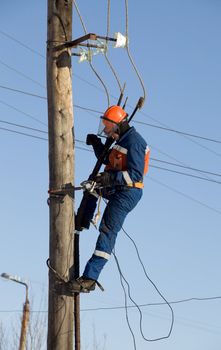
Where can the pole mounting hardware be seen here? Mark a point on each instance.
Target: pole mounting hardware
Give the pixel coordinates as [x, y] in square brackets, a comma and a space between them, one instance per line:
[100, 45]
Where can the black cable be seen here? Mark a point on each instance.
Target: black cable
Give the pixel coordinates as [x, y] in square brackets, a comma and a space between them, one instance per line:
[134, 121]
[125, 300]
[22, 92]
[178, 132]
[187, 300]
[93, 85]
[185, 167]
[184, 195]
[88, 150]
[24, 134]
[140, 312]
[21, 74]
[155, 159]
[186, 174]
[153, 284]
[22, 44]
[122, 277]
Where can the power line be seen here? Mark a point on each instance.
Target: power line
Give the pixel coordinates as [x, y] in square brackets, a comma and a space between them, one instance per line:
[88, 150]
[21, 74]
[153, 159]
[179, 132]
[22, 92]
[181, 173]
[95, 86]
[184, 195]
[23, 126]
[24, 134]
[20, 111]
[21, 44]
[135, 121]
[186, 167]
[180, 301]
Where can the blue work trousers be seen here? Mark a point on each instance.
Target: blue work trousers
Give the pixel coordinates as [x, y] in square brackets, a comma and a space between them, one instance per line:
[120, 203]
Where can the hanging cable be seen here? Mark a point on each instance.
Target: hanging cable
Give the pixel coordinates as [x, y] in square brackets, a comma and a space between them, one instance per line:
[153, 284]
[89, 50]
[129, 54]
[122, 277]
[105, 52]
[138, 307]
[125, 300]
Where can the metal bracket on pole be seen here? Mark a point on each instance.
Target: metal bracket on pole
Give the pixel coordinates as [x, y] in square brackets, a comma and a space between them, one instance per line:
[119, 40]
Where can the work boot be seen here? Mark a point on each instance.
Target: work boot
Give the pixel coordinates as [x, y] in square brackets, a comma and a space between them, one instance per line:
[80, 285]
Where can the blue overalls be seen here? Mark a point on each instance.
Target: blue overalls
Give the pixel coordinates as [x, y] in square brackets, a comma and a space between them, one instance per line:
[122, 198]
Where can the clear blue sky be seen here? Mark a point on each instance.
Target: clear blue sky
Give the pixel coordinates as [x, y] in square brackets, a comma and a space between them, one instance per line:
[176, 46]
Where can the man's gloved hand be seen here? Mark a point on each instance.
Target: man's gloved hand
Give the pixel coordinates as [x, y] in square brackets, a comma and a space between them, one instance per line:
[92, 140]
[105, 179]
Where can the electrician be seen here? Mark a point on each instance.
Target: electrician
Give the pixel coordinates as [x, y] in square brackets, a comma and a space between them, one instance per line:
[121, 183]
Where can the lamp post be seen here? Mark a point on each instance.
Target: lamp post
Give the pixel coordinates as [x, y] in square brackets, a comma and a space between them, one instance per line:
[26, 309]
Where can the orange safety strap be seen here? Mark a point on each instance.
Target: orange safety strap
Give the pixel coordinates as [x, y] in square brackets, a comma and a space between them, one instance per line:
[136, 184]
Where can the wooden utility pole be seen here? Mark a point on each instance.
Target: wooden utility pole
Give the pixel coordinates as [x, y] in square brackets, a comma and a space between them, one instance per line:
[61, 171]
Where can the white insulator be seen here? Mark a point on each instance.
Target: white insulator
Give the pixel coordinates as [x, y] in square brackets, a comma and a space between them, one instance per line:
[121, 40]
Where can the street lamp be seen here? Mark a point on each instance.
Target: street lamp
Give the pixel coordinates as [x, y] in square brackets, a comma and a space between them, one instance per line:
[26, 309]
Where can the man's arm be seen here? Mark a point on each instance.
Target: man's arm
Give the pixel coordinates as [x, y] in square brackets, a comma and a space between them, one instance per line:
[98, 147]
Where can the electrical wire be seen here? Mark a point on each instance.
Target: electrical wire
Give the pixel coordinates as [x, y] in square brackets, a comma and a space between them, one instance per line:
[93, 85]
[122, 278]
[125, 300]
[105, 52]
[185, 174]
[21, 74]
[153, 284]
[185, 167]
[88, 150]
[24, 134]
[21, 43]
[178, 132]
[23, 126]
[134, 121]
[151, 165]
[20, 111]
[138, 308]
[22, 92]
[122, 307]
[129, 54]
[90, 63]
[184, 195]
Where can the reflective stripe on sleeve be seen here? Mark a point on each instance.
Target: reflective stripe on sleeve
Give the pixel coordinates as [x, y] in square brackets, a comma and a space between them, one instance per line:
[127, 177]
[120, 149]
[102, 254]
[147, 149]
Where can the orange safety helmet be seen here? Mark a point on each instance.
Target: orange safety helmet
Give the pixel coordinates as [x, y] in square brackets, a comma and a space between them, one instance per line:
[115, 114]
[112, 117]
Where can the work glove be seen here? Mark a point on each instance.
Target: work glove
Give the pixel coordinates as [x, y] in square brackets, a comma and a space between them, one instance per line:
[105, 179]
[93, 140]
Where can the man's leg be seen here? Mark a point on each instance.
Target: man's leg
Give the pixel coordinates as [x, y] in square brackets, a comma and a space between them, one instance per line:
[115, 213]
